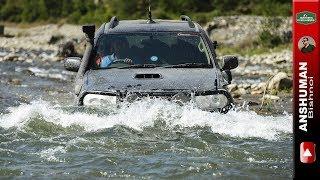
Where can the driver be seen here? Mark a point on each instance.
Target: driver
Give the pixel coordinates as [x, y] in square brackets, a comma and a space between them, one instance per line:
[114, 55]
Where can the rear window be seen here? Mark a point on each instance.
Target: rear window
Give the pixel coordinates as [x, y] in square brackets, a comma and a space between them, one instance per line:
[161, 49]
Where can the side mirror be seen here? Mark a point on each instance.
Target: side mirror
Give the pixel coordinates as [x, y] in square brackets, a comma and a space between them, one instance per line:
[230, 62]
[72, 63]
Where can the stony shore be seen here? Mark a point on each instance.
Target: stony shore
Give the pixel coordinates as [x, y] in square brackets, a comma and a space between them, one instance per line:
[241, 30]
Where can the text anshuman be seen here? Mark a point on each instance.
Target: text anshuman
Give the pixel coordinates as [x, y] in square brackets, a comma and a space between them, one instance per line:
[305, 96]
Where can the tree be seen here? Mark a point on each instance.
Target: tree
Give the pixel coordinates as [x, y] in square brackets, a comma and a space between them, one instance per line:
[34, 10]
[11, 11]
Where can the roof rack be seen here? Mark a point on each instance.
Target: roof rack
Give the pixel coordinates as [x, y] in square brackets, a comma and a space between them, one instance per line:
[113, 22]
[186, 18]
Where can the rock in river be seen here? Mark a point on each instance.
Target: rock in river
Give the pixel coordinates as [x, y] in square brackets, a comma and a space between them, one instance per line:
[11, 57]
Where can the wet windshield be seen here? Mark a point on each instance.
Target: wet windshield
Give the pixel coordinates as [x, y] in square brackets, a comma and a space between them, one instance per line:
[146, 50]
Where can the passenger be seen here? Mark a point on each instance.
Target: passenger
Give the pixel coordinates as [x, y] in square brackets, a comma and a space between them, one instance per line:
[114, 53]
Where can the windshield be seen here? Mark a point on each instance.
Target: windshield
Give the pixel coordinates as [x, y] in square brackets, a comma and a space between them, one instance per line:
[151, 50]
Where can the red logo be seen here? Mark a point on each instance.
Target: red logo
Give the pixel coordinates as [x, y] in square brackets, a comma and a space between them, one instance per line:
[307, 152]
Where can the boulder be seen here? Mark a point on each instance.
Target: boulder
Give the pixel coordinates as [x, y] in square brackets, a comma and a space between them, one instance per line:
[11, 57]
[238, 93]
[218, 23]
[258, 87]
[256, 92]
[242, 91]
[15, 81]
[280, 81]
[253, 103]
[232, 87]
[271, 97]
[245, 86]
[67, 49]
[285, 83]
[211, 26]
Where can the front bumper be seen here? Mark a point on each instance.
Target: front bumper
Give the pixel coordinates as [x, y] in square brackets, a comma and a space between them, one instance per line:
[165, 94]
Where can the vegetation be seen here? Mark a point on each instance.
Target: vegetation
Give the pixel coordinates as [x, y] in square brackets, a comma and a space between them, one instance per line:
[268, 41]
[98, 11]
[250, 49]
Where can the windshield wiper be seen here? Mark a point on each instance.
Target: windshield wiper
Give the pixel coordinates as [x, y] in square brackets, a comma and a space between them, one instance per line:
[139, 66]
[189, 65]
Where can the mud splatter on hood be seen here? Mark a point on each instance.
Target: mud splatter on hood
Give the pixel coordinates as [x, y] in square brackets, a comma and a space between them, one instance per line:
[170, 79]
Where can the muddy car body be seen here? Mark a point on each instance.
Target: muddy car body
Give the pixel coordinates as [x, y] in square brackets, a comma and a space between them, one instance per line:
[177, 61]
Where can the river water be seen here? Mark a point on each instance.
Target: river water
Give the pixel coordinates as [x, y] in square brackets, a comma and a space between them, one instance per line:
[43, 135]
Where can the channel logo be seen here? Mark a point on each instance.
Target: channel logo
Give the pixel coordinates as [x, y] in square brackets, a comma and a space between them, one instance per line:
[306, 17]
[307, 152]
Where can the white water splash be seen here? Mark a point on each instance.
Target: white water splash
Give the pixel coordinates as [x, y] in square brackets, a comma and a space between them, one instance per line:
[51, 153]
[145, 113]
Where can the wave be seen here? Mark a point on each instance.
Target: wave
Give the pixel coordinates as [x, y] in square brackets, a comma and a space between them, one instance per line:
[146, 113]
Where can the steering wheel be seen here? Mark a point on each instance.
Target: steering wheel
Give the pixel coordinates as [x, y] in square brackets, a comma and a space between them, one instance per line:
[118, 61]
[122, 62]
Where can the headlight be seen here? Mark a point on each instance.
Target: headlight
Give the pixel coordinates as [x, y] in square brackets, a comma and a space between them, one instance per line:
[99, 100]
[211, 102]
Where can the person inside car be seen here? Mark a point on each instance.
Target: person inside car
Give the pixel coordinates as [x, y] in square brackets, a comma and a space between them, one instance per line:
[113, 54]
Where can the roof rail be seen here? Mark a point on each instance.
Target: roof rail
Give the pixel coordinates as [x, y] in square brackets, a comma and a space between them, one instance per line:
[186, 18]
[113, 22]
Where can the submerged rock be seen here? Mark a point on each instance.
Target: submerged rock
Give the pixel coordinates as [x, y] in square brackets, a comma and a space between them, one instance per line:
[15, 81]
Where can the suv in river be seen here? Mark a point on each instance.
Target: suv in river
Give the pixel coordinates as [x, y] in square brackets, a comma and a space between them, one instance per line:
[173, 59]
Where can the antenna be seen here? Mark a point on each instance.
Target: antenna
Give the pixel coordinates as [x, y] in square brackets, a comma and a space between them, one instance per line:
[150, 14]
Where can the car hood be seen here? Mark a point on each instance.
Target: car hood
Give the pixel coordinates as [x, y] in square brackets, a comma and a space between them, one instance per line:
[194, 79]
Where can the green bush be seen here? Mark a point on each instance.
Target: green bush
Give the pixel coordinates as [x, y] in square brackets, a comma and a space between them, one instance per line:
[79, 11]
[267, 39]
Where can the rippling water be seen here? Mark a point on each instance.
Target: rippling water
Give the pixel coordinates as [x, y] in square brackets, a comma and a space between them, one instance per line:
[152, 138]
[149, 138]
